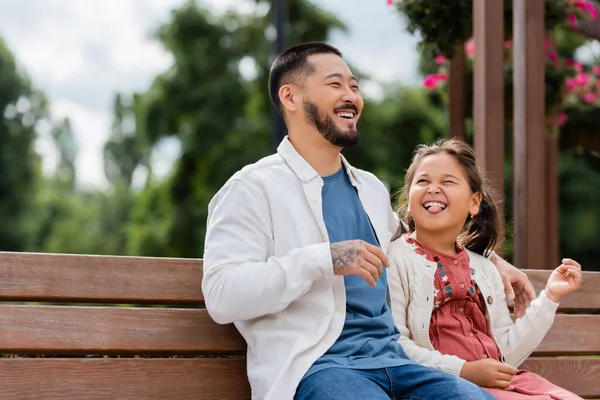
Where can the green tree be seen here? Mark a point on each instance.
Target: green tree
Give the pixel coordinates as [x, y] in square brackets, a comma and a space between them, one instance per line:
[220, 116]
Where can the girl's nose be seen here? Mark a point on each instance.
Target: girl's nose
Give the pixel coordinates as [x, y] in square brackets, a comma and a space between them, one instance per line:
[433, 190]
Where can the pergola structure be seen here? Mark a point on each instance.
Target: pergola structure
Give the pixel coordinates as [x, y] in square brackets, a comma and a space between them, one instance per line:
[535, 155]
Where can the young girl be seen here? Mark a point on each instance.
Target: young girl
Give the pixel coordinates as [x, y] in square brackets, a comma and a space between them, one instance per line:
[447, 298]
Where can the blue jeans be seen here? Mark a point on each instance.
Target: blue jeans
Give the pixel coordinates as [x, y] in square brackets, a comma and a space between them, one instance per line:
[409, 381]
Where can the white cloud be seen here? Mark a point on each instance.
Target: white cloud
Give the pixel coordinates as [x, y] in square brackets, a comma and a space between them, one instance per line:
[81, 53]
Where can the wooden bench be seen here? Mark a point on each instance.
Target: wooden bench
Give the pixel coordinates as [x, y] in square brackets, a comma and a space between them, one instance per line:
[99, 327]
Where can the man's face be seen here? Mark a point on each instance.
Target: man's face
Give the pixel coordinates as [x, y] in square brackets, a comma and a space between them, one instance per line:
[331, 100]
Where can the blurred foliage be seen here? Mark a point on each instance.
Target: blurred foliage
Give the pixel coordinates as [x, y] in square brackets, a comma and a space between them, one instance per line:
[22, 108]
[445, 25]
[212, 106]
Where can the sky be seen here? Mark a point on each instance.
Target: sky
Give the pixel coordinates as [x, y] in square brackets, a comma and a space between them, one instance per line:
[80, 53]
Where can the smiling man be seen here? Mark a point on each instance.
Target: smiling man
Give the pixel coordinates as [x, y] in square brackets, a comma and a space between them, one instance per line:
[295, 253]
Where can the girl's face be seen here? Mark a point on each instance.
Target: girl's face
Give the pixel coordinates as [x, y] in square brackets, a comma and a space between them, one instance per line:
[440, 197]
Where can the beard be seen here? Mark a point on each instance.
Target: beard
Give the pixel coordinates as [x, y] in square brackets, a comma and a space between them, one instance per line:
[328, 128]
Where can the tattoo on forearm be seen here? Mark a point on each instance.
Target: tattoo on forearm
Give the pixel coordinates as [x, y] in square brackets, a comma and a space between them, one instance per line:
[344, 255]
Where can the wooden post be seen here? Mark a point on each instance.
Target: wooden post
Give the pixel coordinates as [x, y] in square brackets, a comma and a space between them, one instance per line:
[530, 178]
[488, 97]
[552, 205]
[458, 95]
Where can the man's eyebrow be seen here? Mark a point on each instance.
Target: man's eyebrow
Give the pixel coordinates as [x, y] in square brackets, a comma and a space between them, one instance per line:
[340, 76]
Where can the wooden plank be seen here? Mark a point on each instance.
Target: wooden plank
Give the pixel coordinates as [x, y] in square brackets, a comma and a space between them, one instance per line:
[114, 330]
[579, 375]
[572, 335]
[488, 95]
[587, 298]
[529, 136]
[111, 378]
[458, 96]
[106, 279]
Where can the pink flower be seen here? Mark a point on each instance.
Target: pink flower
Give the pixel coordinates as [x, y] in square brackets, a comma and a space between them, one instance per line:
[596, 70]
[440, 60]
[508, 44]
[587, 7]
[470, 48]
[581, 79]
[572, 19]
[570, 63]
[548, 45]
[589, 97]
[390, 2]
[571, 84]
[578, 67]
[431, 81]
[561, 118]
[553, 56]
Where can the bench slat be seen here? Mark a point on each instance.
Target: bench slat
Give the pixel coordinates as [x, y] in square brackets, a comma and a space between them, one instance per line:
[106, 279]
[141, 280]
[114, 330]
[587, 298]
[48, 329]
[113, 378]
[579, 375]
[572, 334]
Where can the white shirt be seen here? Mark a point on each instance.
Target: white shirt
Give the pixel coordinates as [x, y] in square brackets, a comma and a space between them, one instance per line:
[268, 267]
[412, 291]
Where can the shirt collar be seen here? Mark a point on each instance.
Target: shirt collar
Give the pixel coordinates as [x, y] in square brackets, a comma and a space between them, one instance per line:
[303, 170]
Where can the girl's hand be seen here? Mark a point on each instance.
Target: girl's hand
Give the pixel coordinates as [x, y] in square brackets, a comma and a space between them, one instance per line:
[564, 280]
[488, 373]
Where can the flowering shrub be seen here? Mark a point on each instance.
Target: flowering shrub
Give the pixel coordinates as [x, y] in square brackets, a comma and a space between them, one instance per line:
[566, 80]
[568, 83]
[444, 25]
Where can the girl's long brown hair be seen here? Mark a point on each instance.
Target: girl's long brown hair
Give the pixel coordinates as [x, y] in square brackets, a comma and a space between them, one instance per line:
[480, 233]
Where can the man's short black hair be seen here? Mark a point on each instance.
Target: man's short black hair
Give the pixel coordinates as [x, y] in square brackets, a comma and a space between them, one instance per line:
[293, 64]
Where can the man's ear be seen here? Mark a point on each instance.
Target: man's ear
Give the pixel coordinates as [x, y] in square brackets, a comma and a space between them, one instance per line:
[288, 97]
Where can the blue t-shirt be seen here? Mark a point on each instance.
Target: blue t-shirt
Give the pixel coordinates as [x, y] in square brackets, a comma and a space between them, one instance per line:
[369, 337]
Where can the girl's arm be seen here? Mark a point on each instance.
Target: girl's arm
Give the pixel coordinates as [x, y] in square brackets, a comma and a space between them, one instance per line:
[518, 339]
[398, 281]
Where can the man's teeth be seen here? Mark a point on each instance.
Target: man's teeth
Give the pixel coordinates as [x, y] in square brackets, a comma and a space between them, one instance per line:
[345, 115]
[434, 204]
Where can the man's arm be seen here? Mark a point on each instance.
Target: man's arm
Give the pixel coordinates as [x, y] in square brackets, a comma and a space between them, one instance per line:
[242, 280]
[517, 286]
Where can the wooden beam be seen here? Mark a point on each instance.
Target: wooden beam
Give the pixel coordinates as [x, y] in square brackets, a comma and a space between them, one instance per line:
[552, 204]
[488, 97]
[530, 178]
[458, 95]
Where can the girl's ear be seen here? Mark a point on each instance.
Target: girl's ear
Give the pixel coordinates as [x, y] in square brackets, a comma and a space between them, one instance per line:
[475, 203]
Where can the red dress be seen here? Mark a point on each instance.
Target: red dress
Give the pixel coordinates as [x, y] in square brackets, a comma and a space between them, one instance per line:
[459, 327]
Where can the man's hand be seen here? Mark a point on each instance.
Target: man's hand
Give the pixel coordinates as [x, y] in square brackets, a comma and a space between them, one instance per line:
[488, 373]
[516, 285]
[564, 280]
[356, 257]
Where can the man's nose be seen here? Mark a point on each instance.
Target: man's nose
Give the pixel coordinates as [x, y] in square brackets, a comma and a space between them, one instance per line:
[350, 96]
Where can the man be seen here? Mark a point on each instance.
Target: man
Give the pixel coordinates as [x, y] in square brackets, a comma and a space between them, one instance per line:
[294, 253]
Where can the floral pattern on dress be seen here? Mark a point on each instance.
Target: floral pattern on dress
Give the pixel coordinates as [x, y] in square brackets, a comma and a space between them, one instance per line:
[448, 290]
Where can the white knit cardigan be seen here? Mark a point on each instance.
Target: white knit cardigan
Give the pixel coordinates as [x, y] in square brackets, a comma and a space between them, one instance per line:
[411, 283]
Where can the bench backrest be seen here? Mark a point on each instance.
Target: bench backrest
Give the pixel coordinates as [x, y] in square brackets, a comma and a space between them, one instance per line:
[100, 327]
[112, 327]
[569, 355]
